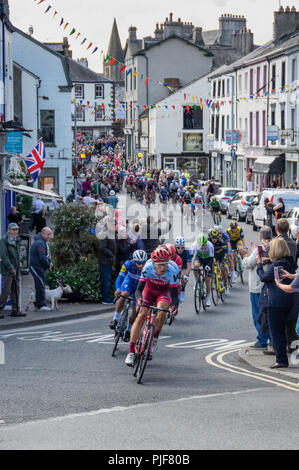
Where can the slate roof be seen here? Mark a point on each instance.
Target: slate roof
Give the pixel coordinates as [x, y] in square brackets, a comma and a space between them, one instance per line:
[80, 73]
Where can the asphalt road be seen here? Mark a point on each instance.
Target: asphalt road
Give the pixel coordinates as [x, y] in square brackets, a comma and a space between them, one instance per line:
[62, 389]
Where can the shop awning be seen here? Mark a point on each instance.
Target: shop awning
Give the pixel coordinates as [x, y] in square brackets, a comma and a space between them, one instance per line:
[33, 192]
[270, 164]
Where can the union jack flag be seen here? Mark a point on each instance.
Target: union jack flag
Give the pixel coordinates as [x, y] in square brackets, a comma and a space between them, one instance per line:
[35, 161]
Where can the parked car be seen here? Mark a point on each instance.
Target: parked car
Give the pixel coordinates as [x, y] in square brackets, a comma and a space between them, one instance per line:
[225, 195]
[239, 205]
[249, 213]
[293, 219]
[290, 198]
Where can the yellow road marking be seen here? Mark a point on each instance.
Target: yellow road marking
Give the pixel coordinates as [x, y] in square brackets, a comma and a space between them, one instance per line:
[241, 371]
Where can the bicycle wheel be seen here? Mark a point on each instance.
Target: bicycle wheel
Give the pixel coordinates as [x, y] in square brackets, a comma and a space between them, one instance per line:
[120, 329]
[197, 296]
[138, 354]
[203, 294]
[239, 269]
[214, 290]
[145, 353]
[221, 288]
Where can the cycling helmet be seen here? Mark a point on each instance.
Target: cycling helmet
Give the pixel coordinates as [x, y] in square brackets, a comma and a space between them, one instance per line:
[202, 240]
[214, 233]
[112, 193]
[140, 257]
[234, 224]
[171, 250]
[214, 199]
[160, 255]
[180, 241]
[219, 228]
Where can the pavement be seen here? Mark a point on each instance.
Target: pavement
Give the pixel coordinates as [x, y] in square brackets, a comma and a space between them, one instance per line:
[67, 310]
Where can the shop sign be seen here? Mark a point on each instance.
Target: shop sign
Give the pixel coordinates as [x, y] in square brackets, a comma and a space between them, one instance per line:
[192, 142]
[272, 133]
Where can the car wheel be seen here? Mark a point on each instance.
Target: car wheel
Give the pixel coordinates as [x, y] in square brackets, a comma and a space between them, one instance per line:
[247, 220]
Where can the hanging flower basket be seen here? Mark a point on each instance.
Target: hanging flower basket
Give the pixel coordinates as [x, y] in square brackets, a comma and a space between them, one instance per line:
[15, 181]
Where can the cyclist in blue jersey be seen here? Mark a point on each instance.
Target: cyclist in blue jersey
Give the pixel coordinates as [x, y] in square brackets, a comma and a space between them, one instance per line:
[163, 195]
[185, 254]
[126, 285]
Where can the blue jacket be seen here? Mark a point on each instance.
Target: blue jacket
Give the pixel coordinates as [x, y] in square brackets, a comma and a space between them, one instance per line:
[39, 251]
[271, 295]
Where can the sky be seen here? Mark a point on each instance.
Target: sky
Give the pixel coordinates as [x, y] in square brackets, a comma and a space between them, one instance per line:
[94, 19]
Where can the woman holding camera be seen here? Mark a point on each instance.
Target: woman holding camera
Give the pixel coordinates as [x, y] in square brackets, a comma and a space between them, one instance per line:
[279, 303]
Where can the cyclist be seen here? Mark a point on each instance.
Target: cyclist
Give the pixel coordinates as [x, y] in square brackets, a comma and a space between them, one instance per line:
[196, 204]
[125, 285]
[186, 201]
[220, 249]
[215, 208]
[163, 194]
[203, 256]
[236, 236]
[173, 189]
[158, 285]
[185, 255]
[173, 256]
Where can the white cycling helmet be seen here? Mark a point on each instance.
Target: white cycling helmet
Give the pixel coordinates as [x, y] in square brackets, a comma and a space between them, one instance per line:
[180, 241]
[112, 193]
[140, 257]
[219, 228]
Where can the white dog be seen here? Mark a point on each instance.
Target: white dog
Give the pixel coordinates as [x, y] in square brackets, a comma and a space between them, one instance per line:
[53, 295]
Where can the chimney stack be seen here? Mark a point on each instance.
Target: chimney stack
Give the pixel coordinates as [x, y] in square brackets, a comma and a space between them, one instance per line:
[286, 21]
[132, 33]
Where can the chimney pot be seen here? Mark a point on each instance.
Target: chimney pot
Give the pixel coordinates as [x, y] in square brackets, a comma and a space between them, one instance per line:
[170, 16]
[294, 9]
[287, 10]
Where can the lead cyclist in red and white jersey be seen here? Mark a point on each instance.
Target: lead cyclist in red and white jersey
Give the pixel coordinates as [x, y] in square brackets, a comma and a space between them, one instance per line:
[158, 285]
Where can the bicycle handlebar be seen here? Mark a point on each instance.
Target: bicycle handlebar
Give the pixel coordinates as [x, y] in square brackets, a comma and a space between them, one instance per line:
[123, 296]
[152, 307]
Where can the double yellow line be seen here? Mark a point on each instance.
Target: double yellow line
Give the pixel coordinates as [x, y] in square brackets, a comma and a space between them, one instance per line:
[221, 364]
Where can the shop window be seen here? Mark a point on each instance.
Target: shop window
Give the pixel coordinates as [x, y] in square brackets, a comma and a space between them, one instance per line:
[47, 124]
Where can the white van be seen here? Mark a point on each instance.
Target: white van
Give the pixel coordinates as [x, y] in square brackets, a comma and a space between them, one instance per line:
[290, 198]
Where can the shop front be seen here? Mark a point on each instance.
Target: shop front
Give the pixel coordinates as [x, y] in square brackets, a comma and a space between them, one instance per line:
[194, 164]
[292, 168]
[268, 170]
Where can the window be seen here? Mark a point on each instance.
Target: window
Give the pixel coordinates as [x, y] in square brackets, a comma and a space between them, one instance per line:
[258, 79]
[273, 112]
[217, 127]
[294, 70]
[79, 91]
[228, 87]
[283, 76]
[223, 128]
[193, 118]
[219, 88]
[246, 82]
[227, 122]
[99, 113]
[251, 82]
[47, 124]
[240, 84]
[293, 121]
[223, 87]
[251, 129]
[264, 128]
[257, 127]
[212, 124]
[214, 88]
[282, 113]
[80, 114]
[135, 80]
[99, 91]
[273, 79]
[265, 78]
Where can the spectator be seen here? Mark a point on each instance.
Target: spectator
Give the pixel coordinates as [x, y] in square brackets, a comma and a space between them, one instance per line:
[112, 199]
[107, 257]
[279, 303]
[249, 180]
[269, 214]
[37, 206]
[40, 221]
[40, 262]
[86, 186]
[255, 285]
[10, 270]
[104, 188]
[14, 216]
[150, 234]
[88, 200]
[279, 209]
[282, 229]
[292, 288]
[71, 197]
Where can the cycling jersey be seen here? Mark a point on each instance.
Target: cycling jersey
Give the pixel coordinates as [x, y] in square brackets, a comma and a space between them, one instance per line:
[235, 236]
[203, 252]
[197, 201]
[215, 206]
[186, 257]
[178, 261]
[128, 277]
[164, 281]
[164, 194]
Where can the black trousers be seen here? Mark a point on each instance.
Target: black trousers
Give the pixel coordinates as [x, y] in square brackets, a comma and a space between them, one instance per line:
[277, 317]
[11, 285]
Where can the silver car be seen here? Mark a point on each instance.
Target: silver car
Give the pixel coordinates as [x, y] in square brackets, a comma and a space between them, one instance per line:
[225, 195]
[293, 219]
[239, 205]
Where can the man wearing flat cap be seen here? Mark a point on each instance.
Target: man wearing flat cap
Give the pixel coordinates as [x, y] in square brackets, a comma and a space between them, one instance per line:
[10, 269]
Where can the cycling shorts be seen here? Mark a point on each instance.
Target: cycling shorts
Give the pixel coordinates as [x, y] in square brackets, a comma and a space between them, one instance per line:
[152, 296]
[235, 243]
[204, 263]
[220, 256]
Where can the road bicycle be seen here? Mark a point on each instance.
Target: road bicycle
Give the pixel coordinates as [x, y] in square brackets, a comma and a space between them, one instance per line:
[239, 265]
[200, 291]
[225, 266]
[144, 345]
[122, 323]
[218, 286]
